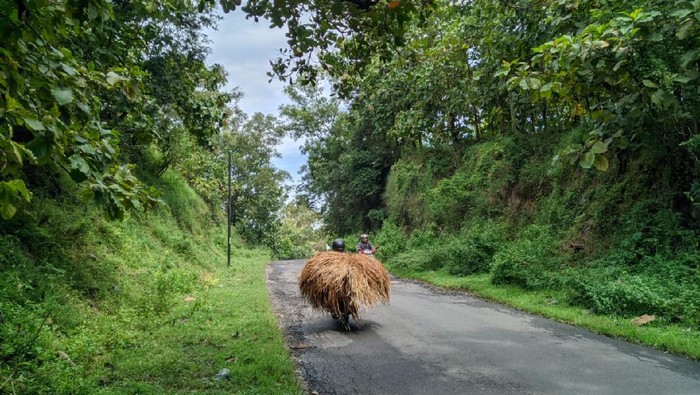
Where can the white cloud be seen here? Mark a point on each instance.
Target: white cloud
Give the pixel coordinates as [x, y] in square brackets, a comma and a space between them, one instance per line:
[244, 48]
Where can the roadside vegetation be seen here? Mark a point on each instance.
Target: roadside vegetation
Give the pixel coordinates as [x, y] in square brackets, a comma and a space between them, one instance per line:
[610, 265]
[524, 148]
[114, 140]
[543, 154]
[146, 305]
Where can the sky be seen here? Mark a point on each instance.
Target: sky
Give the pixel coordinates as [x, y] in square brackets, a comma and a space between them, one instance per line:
[244, 48]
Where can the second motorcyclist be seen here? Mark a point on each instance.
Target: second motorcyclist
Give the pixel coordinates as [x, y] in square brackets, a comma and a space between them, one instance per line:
[364, 246]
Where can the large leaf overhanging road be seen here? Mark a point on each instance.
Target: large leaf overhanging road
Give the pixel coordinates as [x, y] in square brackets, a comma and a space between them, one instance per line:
[429, 341]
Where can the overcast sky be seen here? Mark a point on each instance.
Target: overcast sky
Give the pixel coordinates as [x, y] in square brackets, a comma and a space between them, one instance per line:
[245, 49]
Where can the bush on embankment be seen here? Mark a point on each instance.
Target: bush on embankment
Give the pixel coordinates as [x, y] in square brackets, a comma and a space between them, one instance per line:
[145, 305]
[614, 243]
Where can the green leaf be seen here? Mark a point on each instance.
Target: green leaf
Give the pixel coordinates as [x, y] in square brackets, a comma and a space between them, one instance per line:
[34, 124]
[40, 147]
[599, 147]
[649, 84]
[662, 98]
[15, 154]
[114, 78]
[11, 194]
[690, 56]
[7, 210]
[136, 203]
[83, 107]
[14, 16]
[92, 11]
[18, 149]
[681, 13]
[683, 79]
[684, 31]
[87, 149]
[68, 69]
[587, 161]
[62, 95]
[656, 37]
[80, 169]
[20, 189]
[601, 162]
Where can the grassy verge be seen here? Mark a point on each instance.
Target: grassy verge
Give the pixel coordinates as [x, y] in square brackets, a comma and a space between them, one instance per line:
[142, 306]
[223, 323]
[551, 304]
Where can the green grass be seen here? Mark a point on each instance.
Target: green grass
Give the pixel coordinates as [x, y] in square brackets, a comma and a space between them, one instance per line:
[142, 306]
[551, 304]
[224, 322]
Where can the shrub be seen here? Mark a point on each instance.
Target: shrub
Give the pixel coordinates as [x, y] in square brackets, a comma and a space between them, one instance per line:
[412, 261]
[290, 247]
[406, 182]
[474, 252]
[390, 241]
[467, 257]
[664, 286]
[626, 295]
[423, 238]
[531, 261]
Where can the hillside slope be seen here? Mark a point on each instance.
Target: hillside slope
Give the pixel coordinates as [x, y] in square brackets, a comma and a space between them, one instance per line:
[144, 305]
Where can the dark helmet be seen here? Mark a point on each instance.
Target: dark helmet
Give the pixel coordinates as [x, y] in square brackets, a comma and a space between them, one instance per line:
[338, 245]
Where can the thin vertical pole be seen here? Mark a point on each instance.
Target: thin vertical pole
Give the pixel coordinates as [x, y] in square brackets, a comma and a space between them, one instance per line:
[228, 211]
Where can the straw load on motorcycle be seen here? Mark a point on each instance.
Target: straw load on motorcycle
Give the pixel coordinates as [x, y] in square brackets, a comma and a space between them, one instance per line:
[339, 283]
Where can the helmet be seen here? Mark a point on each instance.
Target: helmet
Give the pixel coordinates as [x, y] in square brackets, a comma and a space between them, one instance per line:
[338, 245]
[364, 236]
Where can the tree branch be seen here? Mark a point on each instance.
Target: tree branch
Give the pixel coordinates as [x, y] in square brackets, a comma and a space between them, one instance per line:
[363, 4]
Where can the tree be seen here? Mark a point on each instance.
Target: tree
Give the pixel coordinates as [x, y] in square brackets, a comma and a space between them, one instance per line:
[629, 78]
[79, 93]
[300, 234]
[258, 191]
[348, 161]
[330, 35]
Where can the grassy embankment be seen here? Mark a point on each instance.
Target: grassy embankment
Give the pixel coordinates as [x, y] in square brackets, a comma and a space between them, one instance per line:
[595, 249]
[146, 305]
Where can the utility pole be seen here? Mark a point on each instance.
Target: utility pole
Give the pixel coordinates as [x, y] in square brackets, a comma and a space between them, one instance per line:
[228, 211]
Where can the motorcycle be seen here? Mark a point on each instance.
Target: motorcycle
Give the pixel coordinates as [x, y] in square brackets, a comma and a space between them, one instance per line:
[368, 251]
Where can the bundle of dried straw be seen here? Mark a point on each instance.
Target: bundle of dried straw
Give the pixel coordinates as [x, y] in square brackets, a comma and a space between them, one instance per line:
[339, 282]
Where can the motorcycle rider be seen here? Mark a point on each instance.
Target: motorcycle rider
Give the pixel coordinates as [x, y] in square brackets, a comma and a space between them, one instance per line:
[338, 245]
[364, 246]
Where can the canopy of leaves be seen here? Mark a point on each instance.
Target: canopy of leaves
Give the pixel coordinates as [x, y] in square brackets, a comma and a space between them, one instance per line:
[87, 87]
[621, 79]
[331, 35]
[348, 162]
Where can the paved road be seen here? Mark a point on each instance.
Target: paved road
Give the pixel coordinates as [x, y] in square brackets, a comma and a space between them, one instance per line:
[428, 341]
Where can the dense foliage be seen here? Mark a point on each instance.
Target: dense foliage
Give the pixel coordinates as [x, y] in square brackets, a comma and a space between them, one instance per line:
[301, 234]
[85, 86]
[114, 94]
[348, 162]
[145, 305]
[551, 144]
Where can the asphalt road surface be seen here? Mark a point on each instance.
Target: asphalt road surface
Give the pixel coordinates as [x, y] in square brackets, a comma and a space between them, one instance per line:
[428, 341]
